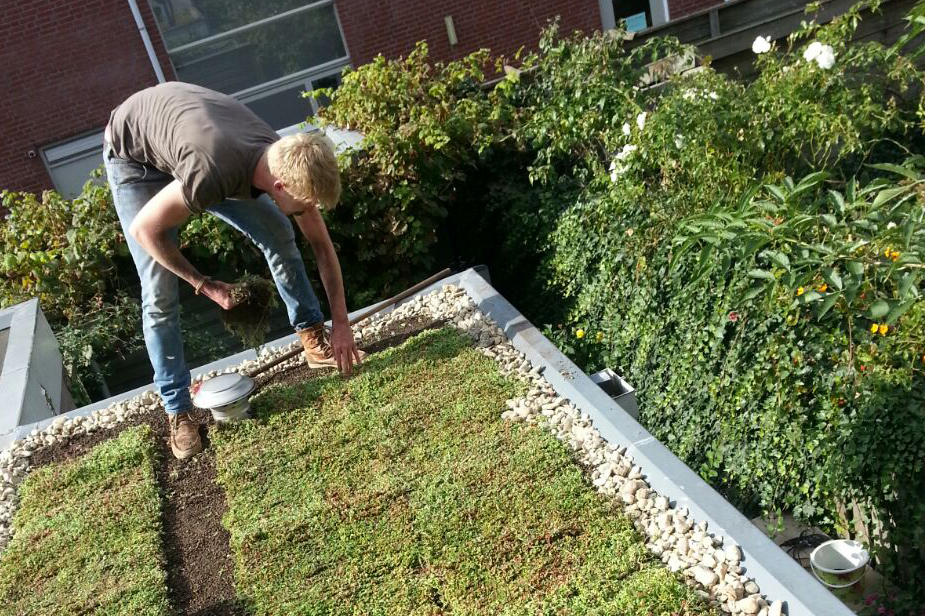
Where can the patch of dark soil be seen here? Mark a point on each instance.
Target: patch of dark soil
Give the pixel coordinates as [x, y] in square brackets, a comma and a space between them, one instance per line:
[200, 569]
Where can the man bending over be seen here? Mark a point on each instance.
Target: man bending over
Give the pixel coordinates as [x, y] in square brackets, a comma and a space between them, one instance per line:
[175, 150]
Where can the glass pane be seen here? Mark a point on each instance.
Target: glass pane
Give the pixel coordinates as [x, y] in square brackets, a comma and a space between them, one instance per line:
[185, 21]
[284, 108]
[329, 81]
[265, 53]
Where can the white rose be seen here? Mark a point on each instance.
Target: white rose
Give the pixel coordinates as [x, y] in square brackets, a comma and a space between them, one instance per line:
[812, 51]
[641, 120]
[826, 57]
[762, 45]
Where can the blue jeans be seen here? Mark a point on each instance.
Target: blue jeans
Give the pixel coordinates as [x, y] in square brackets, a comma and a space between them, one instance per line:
[133, 184]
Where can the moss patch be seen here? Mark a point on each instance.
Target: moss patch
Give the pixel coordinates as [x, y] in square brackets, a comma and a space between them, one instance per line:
[401, 491]
[88, 536]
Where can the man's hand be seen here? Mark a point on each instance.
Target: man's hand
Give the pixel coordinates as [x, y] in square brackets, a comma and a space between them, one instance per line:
[219, 292]
[344, 348]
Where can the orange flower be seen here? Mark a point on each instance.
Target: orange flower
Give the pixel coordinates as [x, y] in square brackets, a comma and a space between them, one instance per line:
[884, 329]
[823, 287]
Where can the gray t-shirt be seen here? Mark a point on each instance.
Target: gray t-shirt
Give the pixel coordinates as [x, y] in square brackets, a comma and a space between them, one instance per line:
[208, 141]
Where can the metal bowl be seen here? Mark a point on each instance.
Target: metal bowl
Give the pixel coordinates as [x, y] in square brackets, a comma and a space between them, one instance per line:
[225, 395]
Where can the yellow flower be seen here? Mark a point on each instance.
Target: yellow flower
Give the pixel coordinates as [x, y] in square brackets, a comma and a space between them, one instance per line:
[800, 291]
[888, 250]
[599, 336]
[580, 334]
[884, 329]
[823, 287]
[874, 328]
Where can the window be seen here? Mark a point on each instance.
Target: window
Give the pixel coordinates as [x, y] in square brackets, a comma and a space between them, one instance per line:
[636, 14]
[69, 163]
[264, 53]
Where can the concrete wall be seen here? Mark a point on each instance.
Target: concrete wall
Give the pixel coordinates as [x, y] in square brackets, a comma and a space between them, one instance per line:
[32, 383]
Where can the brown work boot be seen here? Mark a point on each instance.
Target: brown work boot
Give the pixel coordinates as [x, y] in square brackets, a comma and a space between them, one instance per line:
[318, 352]
[184, 436]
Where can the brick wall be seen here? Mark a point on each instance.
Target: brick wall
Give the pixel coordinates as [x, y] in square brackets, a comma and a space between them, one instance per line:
[64, 65]
[680, 8]
[392, 27]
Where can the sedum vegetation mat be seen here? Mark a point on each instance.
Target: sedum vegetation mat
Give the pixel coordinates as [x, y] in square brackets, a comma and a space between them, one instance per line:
[88, 536]
[401, 491]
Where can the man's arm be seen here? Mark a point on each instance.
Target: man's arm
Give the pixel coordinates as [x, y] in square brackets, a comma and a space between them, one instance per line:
[316, 232]
[165, 211]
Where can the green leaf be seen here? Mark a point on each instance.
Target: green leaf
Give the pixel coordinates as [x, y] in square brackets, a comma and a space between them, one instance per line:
[856, 268]
[832, 277]
[839, 201]
[827, 304]
[903, 171]
[830, 220]
[777, 192]
[755, 291]
[905, 283]
[898, 310]
[778, 258]
[885, 195]
[760, 273]
[878, 309]
[809, 297]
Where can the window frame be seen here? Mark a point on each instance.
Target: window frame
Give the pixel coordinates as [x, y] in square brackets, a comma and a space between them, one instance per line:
[260, 90]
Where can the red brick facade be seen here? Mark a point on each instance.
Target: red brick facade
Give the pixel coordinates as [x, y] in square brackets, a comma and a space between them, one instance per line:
[65, 65]
[392, 27]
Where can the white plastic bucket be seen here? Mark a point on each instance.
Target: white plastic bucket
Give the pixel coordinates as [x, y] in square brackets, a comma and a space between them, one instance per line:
[839, 563]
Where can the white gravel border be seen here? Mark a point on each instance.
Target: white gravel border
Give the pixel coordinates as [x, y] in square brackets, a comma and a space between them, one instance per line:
[683, 544]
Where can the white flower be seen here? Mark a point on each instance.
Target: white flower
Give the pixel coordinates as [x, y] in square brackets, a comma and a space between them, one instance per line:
[812, 51]
[762, 45]
[891, 225]
[689, 94]
[628, 149]
[714, 95]
[626, 128]
[641, 120]
[826, 57]
[616, 170]
[679, 141]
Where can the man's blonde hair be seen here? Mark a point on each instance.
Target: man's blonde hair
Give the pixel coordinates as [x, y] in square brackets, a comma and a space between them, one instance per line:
[306, 164]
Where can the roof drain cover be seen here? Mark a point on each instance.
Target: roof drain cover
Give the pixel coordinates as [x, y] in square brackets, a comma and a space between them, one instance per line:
[226, 395]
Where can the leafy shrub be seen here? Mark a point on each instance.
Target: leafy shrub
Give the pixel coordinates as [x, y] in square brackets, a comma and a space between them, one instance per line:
[68, 253]
[741, 303]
